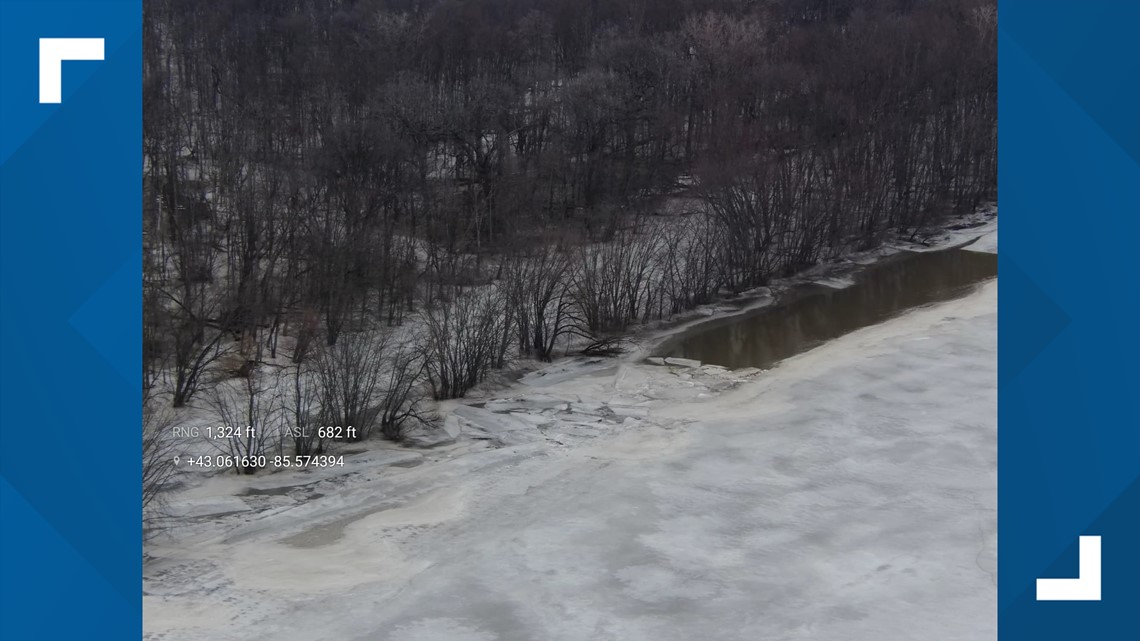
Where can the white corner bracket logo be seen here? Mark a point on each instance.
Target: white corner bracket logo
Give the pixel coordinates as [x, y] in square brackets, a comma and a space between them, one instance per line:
[53, 51]
[1086, 587]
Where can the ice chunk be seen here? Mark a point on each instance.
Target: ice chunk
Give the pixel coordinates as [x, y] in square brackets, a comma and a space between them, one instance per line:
[640, 412]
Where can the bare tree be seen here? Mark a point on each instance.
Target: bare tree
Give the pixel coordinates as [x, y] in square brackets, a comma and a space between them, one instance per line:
[250, 412]
[537, 287]
[690, 258]
[614, 282]
[158, 467]
[350, 376]
[402, 396]
[463, 340]
[301, 407]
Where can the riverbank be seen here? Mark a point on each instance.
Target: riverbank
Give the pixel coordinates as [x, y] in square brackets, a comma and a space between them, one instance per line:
[604, 498]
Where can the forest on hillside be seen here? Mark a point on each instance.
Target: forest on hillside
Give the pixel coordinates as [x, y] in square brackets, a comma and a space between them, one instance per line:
[503, 176]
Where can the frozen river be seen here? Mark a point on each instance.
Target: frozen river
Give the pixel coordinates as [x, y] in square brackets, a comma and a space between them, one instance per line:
[848, 495]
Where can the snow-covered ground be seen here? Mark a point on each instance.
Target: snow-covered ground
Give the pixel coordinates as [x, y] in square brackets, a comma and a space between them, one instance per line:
[848, 494]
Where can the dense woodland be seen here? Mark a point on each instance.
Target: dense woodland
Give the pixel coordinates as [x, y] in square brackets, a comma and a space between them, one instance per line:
[397, 196]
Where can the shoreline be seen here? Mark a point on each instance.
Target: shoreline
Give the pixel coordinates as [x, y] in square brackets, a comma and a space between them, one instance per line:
[641, 342]
[383, 529]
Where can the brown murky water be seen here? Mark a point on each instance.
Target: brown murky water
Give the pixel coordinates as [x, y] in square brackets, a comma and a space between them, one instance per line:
[815, 314]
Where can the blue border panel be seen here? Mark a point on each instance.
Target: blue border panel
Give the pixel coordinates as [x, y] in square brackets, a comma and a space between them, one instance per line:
[70, 327]
[1069, 321]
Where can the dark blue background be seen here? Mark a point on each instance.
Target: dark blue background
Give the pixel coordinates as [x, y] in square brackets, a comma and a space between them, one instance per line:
[1069, 313]
[70, 319]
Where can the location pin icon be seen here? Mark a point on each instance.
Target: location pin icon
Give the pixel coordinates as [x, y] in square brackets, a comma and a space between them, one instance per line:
[176, 461]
